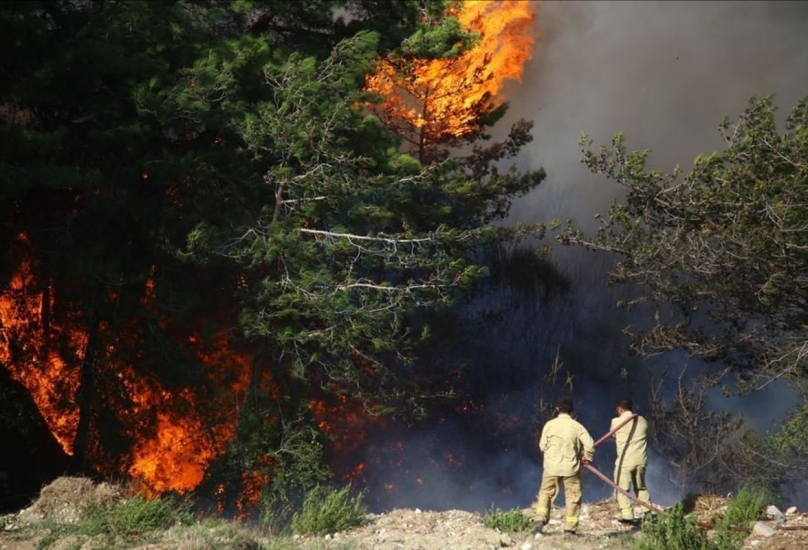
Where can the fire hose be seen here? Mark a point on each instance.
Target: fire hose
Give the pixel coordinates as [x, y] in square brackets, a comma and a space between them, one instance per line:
[613, 430]
[654, 507]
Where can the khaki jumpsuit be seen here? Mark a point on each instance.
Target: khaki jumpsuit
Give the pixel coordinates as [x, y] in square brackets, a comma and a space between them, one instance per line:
[564, 443]
[632, 461]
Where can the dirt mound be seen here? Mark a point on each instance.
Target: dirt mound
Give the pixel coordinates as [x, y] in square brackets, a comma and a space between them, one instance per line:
[599, 530]
[65, 500]
[424, 530]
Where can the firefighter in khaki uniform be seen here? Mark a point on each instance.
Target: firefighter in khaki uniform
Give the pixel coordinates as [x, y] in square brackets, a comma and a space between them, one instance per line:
[566, 445]
[632, 458]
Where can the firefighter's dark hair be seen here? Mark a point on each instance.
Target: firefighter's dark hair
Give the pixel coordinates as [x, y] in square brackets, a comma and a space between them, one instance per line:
[564, 405]
[626, 404]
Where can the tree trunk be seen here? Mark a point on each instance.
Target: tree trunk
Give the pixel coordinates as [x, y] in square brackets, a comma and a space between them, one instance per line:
[86, 392]
[422, 143]
[45, 317]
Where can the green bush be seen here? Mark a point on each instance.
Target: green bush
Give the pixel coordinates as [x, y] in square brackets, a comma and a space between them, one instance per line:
[213, 533]
[135, 516]
[747, 506]
[511, 521]
[742, 511]
[284, 447]
[328, 511]
[673, 530]
[276, 513]
[123, 520]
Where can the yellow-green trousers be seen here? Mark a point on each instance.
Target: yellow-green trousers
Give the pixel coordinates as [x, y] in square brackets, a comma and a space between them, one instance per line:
[572, 496]
[625, 478]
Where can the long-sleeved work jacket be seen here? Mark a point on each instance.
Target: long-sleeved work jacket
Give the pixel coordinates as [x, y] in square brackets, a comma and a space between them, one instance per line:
[631, 440]
[564, 443]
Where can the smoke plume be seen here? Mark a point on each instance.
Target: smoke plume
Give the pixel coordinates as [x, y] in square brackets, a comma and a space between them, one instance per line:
[663, 73]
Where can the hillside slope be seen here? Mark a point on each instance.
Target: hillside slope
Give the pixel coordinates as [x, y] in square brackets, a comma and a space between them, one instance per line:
[63, 502]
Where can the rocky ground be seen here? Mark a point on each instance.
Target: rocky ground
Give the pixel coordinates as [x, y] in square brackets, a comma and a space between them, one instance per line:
[421, 530]
[62, 502]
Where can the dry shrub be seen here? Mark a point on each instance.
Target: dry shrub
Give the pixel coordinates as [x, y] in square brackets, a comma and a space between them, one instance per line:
[709, 508]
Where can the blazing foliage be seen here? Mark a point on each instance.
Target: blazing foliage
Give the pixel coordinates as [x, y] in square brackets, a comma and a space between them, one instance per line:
[209, 244]
[434, 102]
[171, 435]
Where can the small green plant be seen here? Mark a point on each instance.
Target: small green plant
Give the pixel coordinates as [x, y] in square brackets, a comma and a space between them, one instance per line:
[126, 519]
[510, 521]
[276, 514]
[135, 516]
[744, 509]
[747, 506]
[329, 511]
[673, 530]
[213, 534]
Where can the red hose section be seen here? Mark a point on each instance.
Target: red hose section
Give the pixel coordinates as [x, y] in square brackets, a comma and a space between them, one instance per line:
[611, 433]
[654, 507]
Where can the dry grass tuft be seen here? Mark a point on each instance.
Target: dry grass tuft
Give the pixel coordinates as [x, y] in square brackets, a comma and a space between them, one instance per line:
[707, 508]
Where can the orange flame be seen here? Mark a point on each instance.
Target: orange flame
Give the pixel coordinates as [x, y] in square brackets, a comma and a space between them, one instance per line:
[429, 102]
[187, 438]
[24, 352]
[452, 98]
[41, 351]
[174, 459]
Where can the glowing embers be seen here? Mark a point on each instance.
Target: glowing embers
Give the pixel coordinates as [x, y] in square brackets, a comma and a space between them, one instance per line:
[344, 421]
[428, 102]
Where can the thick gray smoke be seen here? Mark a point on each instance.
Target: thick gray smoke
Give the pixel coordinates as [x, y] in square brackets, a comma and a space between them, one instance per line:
[664, 73]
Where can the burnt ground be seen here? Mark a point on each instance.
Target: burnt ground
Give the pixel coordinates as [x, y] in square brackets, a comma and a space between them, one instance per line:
[62, 502]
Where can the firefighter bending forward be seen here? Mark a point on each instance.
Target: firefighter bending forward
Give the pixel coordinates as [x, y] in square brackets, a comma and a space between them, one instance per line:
[632, 458]
[566, 445]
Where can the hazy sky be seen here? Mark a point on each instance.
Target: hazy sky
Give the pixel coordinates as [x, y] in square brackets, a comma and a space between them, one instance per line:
[664, 73]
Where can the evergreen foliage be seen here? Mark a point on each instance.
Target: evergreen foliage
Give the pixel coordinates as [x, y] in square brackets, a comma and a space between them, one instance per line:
[133, 517]
[673, 530]
[217, 231]
[722, 253]
[742, 511]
